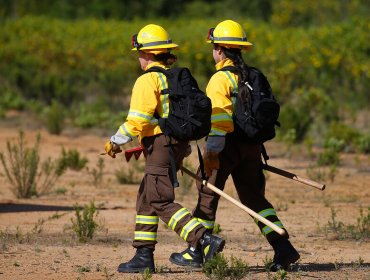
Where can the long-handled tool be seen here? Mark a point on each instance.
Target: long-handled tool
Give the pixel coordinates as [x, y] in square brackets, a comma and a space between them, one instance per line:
[294, 177]
[234, 201]
[137, 152]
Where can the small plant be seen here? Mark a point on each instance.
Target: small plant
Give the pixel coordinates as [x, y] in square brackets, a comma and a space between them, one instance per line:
[61, 190]
[217, 228]
[268, 263]
[334, 225]
[97, 173]
[218, 268]
[238, 268]
[129, 174]
[21, 167]
[330, 156]
[281, 274]
[54, 118]
[146, 275]
[71, 159]
[83, 269]
[84, 225]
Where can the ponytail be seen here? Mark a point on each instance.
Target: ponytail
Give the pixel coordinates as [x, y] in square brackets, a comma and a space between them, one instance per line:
[166, 58]
[242, 69]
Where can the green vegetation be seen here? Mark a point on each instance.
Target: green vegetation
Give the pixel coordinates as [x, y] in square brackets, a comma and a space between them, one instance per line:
[97, 173]
[359, 231]
[72, 159]
[85, 225]
[219, 268]
[22, 168]
[70, 64]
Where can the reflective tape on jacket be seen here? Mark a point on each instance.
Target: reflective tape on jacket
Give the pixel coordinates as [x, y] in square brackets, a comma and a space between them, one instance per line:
[234, 92]
[188, 228]
[147, 220]
[177, 217]
[217, 132]
[164, 97]
[145, 235]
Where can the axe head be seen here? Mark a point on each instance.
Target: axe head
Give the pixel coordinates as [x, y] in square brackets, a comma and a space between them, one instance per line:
[135, 151]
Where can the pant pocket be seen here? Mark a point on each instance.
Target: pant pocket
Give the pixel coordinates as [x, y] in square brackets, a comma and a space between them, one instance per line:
[159, 186]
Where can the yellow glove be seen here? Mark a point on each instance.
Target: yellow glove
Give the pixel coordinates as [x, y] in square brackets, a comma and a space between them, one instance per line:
[112, 149]
[211, 162]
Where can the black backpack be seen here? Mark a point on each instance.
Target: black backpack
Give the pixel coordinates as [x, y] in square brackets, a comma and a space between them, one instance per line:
[190, 109]
[257, 113]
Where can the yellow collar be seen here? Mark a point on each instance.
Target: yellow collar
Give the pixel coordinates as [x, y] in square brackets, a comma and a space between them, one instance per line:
[155, 63]
[225, 62]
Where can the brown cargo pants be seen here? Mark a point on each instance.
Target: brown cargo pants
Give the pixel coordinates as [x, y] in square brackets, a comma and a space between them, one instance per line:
[156, 196]
[243, 162]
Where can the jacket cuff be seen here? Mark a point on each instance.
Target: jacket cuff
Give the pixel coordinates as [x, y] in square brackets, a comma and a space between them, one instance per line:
[120, 139]
[215, 143]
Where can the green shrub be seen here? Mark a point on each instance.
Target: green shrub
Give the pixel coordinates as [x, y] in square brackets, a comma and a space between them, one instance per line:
[97, 173]
[331, 154]
[342, 132]
[85, 225]
[363, 143]
[72, 159]
[54, 118]
[21, 165]
[220, 268]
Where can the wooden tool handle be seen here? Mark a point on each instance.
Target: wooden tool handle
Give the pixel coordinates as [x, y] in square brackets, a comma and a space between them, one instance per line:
[234, 201]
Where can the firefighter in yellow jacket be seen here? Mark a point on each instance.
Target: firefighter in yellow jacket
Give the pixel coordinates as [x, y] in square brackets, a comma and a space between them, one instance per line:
[227, 153]
[156, 193]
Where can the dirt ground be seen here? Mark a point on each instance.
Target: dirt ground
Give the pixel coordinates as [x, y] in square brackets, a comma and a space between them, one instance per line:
[53, 252]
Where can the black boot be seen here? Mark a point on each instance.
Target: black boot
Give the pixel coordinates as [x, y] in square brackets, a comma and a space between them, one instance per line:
[211, 245]
[190, 257]
[285, 254]
[143, 259]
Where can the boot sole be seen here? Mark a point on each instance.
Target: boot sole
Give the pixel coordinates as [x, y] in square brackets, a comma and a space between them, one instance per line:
[220, 244]
[191, 264]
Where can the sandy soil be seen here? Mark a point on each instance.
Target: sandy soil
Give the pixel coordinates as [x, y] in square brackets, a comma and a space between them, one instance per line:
[53, 252]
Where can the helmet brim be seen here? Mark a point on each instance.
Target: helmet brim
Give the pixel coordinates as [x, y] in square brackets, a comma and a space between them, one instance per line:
[233, 44]
[157, 47]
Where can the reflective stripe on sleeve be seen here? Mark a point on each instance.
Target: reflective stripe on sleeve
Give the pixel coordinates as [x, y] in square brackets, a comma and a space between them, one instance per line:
[147, 220]
[217, 132]
[177, 217]
[125, 131]
[223, 117]
[135, 114]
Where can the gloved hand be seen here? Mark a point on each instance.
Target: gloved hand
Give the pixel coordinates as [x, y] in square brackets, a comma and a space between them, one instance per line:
[211, 162]
[112, 149]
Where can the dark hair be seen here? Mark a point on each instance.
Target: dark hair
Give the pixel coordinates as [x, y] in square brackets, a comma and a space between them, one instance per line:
[167, 58]
[242, 68]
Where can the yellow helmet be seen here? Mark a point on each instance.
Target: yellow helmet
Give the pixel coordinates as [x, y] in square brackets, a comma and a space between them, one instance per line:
[229, 34]
[152, 38]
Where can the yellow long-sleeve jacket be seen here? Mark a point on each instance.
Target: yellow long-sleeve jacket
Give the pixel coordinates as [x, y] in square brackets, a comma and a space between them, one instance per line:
[146, 100]
[222, 89]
